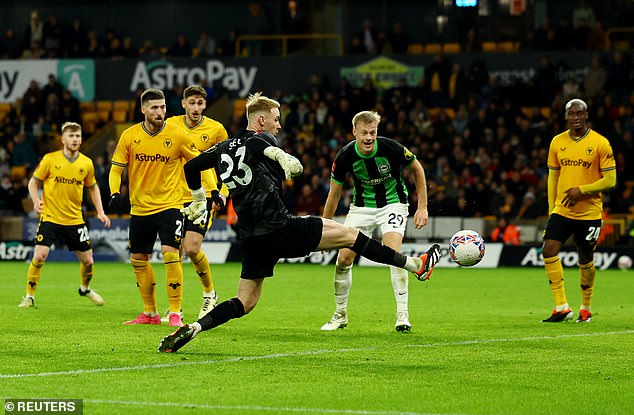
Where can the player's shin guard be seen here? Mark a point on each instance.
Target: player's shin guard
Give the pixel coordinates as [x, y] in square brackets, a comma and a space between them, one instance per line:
[555, 273]
[33, 277]
[399, 285]
[201, 265]
[222, 313]
[343, 282]
[587, 272]
[85, 272]
[378, 252]
[174, 280]
[146, 284]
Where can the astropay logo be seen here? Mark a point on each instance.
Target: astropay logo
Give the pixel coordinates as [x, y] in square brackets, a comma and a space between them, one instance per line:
[79, 77]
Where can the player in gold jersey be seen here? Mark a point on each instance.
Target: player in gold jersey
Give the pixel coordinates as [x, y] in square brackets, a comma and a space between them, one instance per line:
[62, 176]
[204, 132]
[153, 151]
[581, 165]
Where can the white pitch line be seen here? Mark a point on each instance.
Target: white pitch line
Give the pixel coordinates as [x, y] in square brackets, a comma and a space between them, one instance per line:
[193, 406]
[307, 353]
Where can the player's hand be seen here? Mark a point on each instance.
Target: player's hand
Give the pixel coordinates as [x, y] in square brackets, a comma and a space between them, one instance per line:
[572, 195]
[291, 165]
[196, 212]
[115, 202]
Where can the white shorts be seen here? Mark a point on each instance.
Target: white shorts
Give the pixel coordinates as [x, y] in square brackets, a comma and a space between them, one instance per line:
[390, 218]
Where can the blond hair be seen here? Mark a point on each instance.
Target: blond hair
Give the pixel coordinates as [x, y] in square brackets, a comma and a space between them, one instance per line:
[259, 103]
[71, 126]
[367, 117]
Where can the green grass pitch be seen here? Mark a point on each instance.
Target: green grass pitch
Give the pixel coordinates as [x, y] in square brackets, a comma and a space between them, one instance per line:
[476, 347]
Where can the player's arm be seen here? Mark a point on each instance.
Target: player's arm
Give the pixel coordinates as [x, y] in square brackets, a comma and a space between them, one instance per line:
[553, 181]
[114, 181]
[290, 164]
[422, 215]
[95, 196]
[332, 201]
[607, 182]
[34, 187]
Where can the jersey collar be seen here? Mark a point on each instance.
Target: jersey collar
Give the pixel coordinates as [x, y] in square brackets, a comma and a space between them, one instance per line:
[363, 156]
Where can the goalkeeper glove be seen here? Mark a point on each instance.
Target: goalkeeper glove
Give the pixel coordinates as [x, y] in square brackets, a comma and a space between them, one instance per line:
[215, 198]
[290, 164]
[115, 203]
[197, 209]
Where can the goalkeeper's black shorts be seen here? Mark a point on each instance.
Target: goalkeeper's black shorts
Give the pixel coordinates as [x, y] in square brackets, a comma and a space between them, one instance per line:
[299, 237]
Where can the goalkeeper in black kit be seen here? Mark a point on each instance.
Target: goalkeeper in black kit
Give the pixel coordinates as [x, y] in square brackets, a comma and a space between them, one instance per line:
[253, 167]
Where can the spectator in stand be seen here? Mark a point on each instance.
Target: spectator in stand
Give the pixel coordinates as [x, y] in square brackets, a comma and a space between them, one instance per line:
[257, 23]
[94, 48]
[34, 52]
[228, 44]
[10, 45]
[308, 202]
[472, 42]
[206, 45]
[399, 38]
[128, 50]
[34, 30]
[595, 79]
[581, 36]
[52, 87]
[75, 43]
[181, 48]
[356, 48]
[368, 36]
[597, 39]
[70, 107]
[619, 80]
[293, 23]
[53, 37]
[506, 232]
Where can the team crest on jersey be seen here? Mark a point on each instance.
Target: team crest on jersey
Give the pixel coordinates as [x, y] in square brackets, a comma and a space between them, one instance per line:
[167, 143]
[58, 166]
[40, 237]
[204, 138]
[589, 151]
[81, 171]
[384, 168]
[408, 154]
[137, 141]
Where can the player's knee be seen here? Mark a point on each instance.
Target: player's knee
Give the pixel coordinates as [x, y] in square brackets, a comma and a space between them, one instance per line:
[40, 258]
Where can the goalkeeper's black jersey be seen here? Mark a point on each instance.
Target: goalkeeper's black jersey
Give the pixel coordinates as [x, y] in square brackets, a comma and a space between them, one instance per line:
[378, 179]
[254, 181]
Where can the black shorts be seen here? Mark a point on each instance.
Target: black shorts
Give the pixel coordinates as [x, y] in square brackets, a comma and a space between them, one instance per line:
[202, 227]
[298, 238]
[75, 237]
[585, 232]
[168, 224]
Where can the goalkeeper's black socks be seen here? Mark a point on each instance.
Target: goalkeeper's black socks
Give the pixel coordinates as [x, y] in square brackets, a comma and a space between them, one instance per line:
[222, 313]
[378, 252]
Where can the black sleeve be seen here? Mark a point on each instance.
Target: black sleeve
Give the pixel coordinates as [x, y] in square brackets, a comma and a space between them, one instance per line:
[198, 164]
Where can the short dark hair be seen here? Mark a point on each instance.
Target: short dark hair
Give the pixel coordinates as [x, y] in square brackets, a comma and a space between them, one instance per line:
[194, 90]
[150, 94]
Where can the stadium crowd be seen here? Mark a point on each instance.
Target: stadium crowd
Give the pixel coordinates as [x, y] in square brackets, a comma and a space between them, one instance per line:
[483, 144]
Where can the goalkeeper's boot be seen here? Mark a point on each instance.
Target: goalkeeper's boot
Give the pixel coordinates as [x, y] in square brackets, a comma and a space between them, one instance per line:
[145, 319]
[27, 302]
[179, 338]
[338, 320]
[430, 259]
[559, 316]
[92, 295]
[176, 319]
[402, 322]
[585, 316]
[209, 303]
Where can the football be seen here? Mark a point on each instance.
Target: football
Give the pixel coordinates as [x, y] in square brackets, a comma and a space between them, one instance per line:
[624, 262]
[466, 247]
